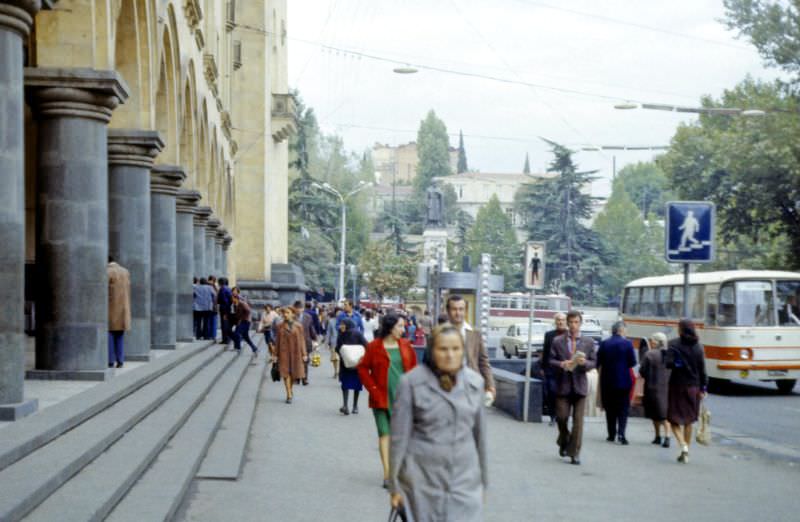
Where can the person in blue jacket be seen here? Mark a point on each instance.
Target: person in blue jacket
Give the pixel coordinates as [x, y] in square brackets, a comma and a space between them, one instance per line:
[349, 313]
[615, 358]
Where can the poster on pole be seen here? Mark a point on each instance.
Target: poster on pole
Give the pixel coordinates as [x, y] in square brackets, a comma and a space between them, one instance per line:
[534, 265]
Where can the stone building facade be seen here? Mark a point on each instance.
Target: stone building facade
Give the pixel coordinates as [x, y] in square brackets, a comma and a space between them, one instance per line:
[399, 163]
[155, 131]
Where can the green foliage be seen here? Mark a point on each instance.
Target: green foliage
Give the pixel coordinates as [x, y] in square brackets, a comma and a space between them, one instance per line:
[433, 149]
[773, 27]
[493, 233]
[386, 273]
[749, 167]
[462, 154]
[459, 246]
[555, 210]
[636, 247]
[648, 187]
[315, 256]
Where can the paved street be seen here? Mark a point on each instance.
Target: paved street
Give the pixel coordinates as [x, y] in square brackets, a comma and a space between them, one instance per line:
[306, 462]
[757, 409]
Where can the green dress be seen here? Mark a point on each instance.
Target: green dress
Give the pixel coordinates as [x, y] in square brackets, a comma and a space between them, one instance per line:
[383, 417]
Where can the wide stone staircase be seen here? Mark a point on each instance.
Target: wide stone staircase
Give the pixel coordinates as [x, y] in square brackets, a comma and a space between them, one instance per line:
[129, 448]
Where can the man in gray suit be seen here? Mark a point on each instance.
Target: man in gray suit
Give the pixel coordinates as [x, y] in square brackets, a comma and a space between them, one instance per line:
[571, 356]
[475, 353]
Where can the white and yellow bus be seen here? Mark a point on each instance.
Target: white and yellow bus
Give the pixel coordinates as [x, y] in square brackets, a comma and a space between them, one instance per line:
[748, 320]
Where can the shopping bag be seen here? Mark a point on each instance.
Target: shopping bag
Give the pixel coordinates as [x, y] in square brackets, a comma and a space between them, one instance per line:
[351, 354]
[638, 390]
[704, 430]
[316, 358]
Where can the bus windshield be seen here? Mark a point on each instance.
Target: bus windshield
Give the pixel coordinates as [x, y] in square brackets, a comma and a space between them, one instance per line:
[746, 303]
[788, 294]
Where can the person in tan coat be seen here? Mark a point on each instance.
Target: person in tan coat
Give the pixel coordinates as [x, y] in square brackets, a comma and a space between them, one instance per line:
[119, 311]
[290, 351]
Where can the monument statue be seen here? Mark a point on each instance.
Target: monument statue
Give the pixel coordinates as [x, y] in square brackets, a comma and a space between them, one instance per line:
[435, 218]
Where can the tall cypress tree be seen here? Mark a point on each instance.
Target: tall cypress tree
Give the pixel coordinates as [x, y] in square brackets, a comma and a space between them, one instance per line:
[527, 168]
[462, 154]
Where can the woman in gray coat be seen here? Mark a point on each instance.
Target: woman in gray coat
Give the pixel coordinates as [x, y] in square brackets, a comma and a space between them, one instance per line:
[438, 445]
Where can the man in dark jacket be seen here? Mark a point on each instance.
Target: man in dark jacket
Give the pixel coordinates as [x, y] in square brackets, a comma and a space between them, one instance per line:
[549, 388]
[615, 358]
[571, 356]
[225, 302]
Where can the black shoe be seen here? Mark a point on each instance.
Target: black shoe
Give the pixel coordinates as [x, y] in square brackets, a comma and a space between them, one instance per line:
[305, 382]
[665, 444]
[354, 411]
[656, 440]
[623, 441]
[110, 365]
[562, 451]
[575, 460]
[343, 410]
[385, 484]
[610, 438]
[119, 365]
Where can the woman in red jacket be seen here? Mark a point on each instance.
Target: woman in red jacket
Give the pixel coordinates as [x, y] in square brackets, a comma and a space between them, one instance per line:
[386, 359]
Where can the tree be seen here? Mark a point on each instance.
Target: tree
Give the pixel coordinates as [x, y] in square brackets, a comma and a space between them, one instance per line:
[462, 154]
[315, 255]
[773, 27]
[555, 210]
[526, 169]
[648, 187]
[636, 247]
[460, 244]
[433, 149]
[493, 233]
[387, 273]
[750, 168]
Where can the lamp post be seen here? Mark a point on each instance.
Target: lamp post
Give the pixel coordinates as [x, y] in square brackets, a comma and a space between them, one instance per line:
[340, 291]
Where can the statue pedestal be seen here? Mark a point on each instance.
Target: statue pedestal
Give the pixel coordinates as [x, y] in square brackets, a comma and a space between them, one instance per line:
[434, 241]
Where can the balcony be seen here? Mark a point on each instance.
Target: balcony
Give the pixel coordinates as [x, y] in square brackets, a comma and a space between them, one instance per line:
[284, 122]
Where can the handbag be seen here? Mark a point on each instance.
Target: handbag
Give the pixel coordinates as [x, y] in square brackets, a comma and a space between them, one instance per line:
[398, 514]
[704, 431]
[351, 354]
[275, 373]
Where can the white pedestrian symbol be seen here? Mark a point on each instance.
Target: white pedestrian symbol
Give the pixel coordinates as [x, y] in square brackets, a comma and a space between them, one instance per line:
[690, 228]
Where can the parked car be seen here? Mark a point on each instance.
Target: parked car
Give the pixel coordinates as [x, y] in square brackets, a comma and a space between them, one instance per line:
[515, 340]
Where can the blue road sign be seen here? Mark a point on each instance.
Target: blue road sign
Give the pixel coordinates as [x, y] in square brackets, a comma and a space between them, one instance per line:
[690, 232]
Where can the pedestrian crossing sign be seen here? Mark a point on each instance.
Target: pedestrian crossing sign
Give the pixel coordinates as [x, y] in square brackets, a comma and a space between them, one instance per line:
[690, 232]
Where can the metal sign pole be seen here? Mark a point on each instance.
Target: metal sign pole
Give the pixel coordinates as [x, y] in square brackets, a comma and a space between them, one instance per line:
[686, 290]
[527, 393]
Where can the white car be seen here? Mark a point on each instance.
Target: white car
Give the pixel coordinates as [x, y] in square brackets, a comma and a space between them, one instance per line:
[515, 340]
[590, 327]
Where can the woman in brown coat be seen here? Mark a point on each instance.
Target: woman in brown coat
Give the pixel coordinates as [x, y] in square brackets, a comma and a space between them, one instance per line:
[290, 351]
[656, 375]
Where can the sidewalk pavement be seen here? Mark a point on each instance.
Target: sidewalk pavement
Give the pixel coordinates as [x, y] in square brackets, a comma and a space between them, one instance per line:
[307, 462]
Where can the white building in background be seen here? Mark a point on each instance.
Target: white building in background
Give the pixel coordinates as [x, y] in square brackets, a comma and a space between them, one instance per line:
[475, 189]
[399, 163]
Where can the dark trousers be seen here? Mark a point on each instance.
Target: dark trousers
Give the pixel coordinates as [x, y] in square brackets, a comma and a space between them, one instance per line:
[226, 327]
[242, 331]
[549, 394]
[209, 325]
[617, 404]
[116, 347]
[198, 324]
[570, 439]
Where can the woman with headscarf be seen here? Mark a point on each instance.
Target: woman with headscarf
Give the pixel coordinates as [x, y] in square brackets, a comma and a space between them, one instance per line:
[387, 358]
[438, 453]
[290, 351]
[687, 384]
[655, 373]
[348, 377]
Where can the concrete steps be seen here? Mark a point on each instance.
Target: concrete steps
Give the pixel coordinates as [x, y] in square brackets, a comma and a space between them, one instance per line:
[226, 454]
[30, 480]
[95, 490]
[160, 490]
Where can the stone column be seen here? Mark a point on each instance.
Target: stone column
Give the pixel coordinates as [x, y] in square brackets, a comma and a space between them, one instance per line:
[73, 108]
[164, 184]
[219, 240]
[16, 19]
[211, 246]
[130, 158]
[201, 215]
[226, 243]
[185, 206]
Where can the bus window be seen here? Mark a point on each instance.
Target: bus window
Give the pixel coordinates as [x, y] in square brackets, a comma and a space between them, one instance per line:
[676, 304]
[749, 305]
[788, 293]
[662, 301]
[711, 310]
[631, 303]
[648, 306]
[696, 301]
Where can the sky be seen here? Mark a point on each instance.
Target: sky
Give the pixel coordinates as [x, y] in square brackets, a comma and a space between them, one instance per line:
[559, 67]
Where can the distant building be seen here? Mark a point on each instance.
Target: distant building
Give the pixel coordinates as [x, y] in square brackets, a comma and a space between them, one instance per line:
[401, 162]
[475, 189]
[383, 194]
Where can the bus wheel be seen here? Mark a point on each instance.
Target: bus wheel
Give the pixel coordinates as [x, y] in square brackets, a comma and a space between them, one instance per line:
[786, 386]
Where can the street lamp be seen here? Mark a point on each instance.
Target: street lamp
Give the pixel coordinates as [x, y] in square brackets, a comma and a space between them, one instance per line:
[343, 201]
[731, 111]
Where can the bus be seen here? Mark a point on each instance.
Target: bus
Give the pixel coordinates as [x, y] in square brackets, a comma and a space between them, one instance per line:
[748, 320]
[508, 309]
